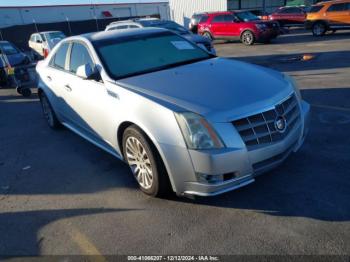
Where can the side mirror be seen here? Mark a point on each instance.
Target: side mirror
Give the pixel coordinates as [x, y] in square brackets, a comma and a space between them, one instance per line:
[39, 41]
[86, 72]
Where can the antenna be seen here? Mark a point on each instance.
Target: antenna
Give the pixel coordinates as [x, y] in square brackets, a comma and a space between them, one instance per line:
[69, 27]
[36, 26]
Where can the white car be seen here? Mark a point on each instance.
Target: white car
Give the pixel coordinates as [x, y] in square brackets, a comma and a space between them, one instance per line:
[42, 43]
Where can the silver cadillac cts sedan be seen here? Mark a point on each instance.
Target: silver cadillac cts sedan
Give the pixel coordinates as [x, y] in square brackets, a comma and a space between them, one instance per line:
[181, 118]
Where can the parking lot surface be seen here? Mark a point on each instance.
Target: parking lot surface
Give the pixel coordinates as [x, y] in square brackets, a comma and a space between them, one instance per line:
[61, 195]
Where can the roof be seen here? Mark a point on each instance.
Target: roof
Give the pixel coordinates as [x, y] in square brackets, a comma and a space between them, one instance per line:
[106, 35]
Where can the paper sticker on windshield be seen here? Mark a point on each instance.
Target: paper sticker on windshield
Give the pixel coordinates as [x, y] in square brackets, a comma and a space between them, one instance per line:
[182, 45]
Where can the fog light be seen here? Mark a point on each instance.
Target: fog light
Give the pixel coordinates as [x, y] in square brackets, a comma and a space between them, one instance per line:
[211, 179]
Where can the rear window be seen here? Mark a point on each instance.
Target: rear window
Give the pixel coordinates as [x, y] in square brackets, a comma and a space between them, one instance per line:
[316, 8]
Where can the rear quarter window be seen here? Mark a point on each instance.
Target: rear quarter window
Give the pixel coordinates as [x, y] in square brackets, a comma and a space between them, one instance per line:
[59, 59]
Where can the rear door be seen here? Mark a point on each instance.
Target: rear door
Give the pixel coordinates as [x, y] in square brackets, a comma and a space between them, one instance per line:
[87, 99]
[218, 25]
[232, 27]
[53, 77]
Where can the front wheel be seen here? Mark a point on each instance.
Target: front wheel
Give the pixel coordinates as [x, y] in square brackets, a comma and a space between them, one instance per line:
[319, 29]
[248, 38]
[145, 162]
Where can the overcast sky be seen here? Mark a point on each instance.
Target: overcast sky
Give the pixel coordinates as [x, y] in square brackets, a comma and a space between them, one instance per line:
[65, 2]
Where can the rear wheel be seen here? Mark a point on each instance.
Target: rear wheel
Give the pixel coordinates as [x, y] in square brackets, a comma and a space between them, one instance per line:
[48, 112]
[208, 35]
[248, 38]
[319, 29]
[145, 162]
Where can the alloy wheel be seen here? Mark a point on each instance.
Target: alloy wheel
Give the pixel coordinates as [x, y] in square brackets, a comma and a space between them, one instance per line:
[139, 162]
[247, 38]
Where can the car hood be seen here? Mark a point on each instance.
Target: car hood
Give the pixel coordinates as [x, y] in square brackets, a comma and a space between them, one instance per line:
[219, 89]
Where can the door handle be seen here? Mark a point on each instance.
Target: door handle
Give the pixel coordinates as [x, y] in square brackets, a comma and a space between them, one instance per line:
[68, 88]
[49, 78]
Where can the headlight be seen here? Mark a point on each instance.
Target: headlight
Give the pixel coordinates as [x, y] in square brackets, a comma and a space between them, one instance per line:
[294, 84]
[197, 132]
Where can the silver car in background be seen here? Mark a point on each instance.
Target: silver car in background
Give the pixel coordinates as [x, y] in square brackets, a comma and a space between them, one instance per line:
[181, 118]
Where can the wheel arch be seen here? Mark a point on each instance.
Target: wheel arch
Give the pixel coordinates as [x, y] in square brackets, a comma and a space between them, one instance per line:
[121, 129]
[245, 30]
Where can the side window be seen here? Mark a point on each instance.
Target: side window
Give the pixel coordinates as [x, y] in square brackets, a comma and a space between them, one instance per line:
[79, 56]
[337, 7]
[122, 27]
[59, 59]
[229, 18]
[204, 19]
[219, 19]
[133, 26]
[33, 38]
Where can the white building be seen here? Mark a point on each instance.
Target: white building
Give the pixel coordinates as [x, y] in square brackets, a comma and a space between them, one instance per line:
[24, 15]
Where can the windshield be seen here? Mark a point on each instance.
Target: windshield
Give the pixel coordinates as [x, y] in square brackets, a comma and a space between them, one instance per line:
[141, 54]
[172, 26]
[8, 49]
[246, 16]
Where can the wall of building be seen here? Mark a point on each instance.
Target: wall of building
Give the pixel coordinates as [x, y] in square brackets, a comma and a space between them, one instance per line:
[10, 16]
[18, 23]
[181, 11]
[268, 5]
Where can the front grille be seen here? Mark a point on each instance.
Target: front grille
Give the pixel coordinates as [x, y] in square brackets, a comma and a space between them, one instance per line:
[260, 129]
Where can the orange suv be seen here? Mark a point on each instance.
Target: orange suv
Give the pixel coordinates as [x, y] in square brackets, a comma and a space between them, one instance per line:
[328, 16]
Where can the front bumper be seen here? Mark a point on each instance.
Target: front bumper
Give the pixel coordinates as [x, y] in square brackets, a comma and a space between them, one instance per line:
[237, 164]
[267, 34]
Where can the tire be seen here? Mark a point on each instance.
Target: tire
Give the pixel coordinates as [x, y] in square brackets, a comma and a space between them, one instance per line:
[319, 29]
[248, 37]
[48, 112]
[208, 35]
[145, 162]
